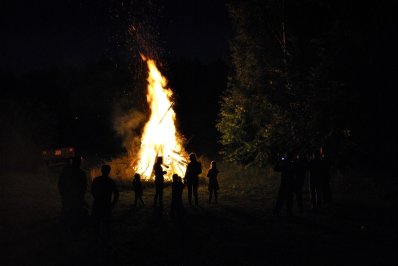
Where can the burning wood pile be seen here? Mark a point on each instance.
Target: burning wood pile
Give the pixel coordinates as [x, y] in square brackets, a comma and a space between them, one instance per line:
[160, 136]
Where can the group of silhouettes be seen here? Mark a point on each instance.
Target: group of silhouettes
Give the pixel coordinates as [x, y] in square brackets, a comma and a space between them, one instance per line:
[72, 186]
[73, 182]
[190, 181]
[294, 168]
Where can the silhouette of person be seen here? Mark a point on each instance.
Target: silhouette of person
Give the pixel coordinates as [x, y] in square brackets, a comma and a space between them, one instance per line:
[325, 178]
[213, 183]
[106, 195]
[301, 166]
[159, 181]
[285, 194]
[72, 186]
[177, 188]
[315, 169]
[138, 189]
[191, 178]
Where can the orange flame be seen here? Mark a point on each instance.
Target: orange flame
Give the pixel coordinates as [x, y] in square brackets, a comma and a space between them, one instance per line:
[160, 136]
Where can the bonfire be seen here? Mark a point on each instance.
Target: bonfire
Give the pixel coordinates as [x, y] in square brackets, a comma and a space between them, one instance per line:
[160, 136]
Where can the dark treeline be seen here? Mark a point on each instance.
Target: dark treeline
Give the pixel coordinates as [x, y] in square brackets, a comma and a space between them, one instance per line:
[308, 74]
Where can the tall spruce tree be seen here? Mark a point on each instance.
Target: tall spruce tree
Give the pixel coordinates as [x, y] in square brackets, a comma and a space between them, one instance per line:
[282, 93]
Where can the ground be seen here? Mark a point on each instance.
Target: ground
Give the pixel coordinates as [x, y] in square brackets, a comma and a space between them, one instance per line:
[358, 229]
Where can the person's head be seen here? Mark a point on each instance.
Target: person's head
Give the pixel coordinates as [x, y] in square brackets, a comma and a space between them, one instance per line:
[175, 178]
[77, 161]
[322, 151]
[296, 154]
[192, 157]
[105, 169]
[213, 164]
[137, 176]
[316, 154]
[160, 160]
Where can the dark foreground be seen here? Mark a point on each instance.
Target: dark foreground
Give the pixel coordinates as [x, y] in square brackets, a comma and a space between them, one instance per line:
[360, 228]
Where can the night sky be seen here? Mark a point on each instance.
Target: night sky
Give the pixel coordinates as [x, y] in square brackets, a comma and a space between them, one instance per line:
[41, 34]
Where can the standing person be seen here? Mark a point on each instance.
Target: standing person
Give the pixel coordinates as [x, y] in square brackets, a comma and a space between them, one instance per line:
[285, 193]
[72, 186]
[176, 196]
[191, 178]
[315, 169]
[106, 195]
[301, 166]
[138, 189]
[213, 183]
[159, 181]
[325, 178]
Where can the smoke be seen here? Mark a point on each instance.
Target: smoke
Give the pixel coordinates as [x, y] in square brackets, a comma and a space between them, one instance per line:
[128, 125]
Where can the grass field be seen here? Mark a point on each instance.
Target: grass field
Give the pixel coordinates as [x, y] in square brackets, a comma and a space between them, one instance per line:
[358, 229]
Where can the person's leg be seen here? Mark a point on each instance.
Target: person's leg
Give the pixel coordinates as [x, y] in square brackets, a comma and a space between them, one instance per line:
[76, 222]
[161, 196]
[135, 199]
[216, 196]
[313, 195]
[173, 207]
[299, 197]
[97, 226]
[319, 195]
[327, 196]
[280, 200]
[210, 194]
[106, 227]
[289, 201]
[156, 197]
[180, 207]
[195, 193]
[102, 228]
[189, 193]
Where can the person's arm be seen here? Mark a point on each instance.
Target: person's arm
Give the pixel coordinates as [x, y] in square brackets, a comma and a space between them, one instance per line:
[186, 174]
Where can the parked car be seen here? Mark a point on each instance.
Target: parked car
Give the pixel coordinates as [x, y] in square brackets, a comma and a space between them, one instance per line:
[54, 160]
